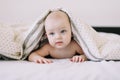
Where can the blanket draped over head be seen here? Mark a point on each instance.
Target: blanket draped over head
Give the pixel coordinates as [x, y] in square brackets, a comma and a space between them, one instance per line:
[96, 46]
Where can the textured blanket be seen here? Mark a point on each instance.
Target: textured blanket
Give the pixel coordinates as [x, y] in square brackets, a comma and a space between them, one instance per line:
[96, 46]
[11, 41]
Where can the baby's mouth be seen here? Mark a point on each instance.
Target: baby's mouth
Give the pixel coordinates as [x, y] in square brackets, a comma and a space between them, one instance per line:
[59, 43]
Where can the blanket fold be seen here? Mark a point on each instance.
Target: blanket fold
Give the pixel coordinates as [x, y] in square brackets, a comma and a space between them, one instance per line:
[10, 43]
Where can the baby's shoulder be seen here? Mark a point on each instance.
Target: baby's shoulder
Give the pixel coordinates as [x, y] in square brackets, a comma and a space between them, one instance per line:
[73, 42]
[47, 46]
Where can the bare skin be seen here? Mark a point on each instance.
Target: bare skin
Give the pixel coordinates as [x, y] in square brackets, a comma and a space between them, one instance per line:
[60, 45]
[67, 52]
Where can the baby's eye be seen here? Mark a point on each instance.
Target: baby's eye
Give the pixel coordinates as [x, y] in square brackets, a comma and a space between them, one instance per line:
[63, 31]
[51, 33]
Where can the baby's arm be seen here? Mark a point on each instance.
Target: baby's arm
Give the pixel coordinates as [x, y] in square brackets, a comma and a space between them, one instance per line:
[78, 58]
[38, 56]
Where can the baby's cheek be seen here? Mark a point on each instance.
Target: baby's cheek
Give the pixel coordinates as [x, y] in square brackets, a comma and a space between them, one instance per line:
[51, 41]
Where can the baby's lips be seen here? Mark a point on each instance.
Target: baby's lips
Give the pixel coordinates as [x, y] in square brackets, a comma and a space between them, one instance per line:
[59, 42]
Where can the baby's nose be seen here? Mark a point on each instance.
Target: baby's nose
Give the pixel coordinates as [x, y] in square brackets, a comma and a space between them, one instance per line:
[58, 36]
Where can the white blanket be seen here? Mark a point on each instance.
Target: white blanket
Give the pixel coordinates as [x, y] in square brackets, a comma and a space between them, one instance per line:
[96, 47]
[11, 40]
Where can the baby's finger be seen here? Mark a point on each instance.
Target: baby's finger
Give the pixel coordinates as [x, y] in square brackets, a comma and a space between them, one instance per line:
[35, 61]
[76, 59]
[73, 59]
[80, 59]
[40, 61]
[46, 61]
[49, 61]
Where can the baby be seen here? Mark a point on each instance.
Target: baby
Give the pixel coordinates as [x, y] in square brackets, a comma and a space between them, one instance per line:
[60, 43]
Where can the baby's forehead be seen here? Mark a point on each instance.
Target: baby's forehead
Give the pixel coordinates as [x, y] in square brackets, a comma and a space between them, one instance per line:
[56, 18]
[57, 15]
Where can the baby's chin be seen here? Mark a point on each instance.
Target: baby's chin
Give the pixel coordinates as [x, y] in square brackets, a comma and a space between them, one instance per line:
[60, 46]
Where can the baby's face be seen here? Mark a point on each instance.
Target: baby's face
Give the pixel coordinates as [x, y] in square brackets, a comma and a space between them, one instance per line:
[58, 32]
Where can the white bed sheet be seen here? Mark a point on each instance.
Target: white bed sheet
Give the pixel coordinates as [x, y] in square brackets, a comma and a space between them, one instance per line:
[61, 69]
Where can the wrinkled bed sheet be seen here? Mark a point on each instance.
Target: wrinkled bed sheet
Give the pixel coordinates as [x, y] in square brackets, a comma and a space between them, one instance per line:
[61, 69]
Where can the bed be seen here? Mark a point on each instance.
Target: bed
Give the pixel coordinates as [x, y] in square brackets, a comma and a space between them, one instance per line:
[62, 69]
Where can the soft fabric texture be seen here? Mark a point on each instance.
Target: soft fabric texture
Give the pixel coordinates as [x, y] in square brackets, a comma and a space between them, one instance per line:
[11, 40]
[96, 47]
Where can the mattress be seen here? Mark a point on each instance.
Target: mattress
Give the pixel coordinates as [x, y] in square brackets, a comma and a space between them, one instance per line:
[60, 69]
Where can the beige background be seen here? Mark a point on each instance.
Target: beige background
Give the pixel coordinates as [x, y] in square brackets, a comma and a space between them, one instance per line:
[94, 12]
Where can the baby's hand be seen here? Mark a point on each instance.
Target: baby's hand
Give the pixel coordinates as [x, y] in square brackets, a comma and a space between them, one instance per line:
[34, 57]
[78, 58]
[42, 60]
